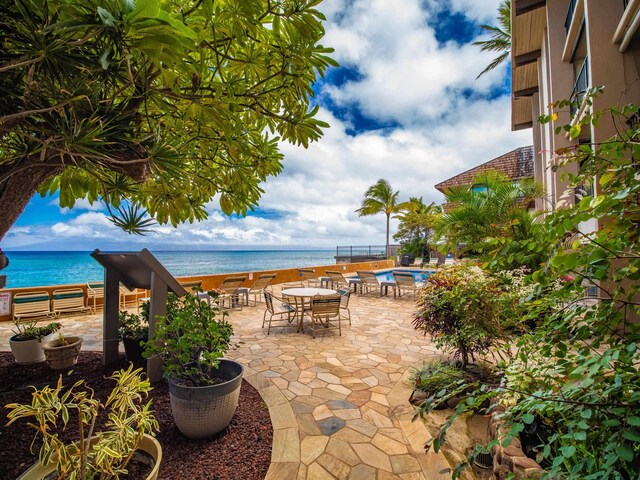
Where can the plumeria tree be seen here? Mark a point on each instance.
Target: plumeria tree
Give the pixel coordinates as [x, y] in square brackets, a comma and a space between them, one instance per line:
[153, 106]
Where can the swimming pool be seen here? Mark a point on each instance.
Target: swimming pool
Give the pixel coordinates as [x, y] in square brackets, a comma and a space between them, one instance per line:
[387, 275]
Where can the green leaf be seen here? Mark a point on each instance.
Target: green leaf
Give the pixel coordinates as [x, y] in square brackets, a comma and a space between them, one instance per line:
[106, 17]
[625, 452]
[528, 418]
[631, 435]
[568, 450]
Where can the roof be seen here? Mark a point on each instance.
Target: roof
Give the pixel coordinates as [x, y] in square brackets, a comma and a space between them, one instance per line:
[517, 165]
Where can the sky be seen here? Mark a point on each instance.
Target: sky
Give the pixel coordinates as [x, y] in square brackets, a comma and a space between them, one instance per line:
[404, 105]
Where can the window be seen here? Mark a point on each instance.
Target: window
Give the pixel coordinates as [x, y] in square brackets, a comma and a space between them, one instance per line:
[479, 188]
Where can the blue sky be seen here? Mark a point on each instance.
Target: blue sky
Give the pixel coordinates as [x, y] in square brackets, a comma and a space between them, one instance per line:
[405, 105]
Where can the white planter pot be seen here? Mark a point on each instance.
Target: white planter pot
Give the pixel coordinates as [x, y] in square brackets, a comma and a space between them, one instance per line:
[147, 444]
[27, 352]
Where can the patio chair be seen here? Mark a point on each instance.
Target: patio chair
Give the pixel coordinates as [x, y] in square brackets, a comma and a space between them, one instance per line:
[132, 297]
[369, 282]
[345, 294]
[405, 283]
[417, 263]
[336, 279]
[325, 309]
[32, 304]
[68, 300]
[278, 312]
[262, 282]
[231, 291]
[433, 262]
[308, 276]
[95, 290]
[190, 286]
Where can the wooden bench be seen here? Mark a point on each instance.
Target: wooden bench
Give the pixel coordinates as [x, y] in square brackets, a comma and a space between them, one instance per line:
[68, 300]
[31, 304]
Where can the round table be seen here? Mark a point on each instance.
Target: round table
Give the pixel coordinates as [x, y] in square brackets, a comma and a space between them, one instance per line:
[302, 293]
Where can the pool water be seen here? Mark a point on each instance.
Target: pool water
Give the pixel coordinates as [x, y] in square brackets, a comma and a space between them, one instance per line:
[387, 275]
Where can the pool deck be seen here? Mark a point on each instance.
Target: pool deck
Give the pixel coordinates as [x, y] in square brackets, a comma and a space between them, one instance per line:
[338, 404]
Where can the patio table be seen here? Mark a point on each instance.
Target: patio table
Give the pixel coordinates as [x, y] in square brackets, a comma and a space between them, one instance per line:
[300, 295]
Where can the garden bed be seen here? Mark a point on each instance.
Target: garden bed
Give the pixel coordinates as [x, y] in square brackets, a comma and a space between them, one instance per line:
[242, 450]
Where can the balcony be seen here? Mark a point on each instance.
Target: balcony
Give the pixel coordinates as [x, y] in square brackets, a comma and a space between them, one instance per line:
[580, 87]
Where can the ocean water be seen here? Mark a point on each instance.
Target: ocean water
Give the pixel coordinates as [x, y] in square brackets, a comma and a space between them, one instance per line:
[31, 269]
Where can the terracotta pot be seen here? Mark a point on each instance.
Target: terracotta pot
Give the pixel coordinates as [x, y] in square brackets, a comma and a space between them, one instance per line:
[147, 444]
[59, 355]
[27, 352]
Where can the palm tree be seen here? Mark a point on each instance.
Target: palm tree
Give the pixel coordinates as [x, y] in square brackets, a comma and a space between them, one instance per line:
[380, 198]
[500, 37]
[476, 218]
[417, 220]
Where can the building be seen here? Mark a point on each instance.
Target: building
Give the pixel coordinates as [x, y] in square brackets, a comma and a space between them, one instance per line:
[560, 49]
[517, 165]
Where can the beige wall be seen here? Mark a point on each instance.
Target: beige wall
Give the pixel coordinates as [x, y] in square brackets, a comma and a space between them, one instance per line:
[210, 282]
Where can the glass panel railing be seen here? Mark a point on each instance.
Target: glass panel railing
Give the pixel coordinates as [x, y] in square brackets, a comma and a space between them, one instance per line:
[580, 87]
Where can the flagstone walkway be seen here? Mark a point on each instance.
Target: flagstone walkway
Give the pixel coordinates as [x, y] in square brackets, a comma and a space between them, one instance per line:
[338, 404]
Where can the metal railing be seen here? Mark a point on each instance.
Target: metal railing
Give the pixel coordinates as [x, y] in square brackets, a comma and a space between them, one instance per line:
[364, 253]
[570, 12]
[580, 87]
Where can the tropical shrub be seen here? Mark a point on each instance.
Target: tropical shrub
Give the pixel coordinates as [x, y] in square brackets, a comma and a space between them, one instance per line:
[191, 338]
[467, 310]
[29, 331]
[578, 371]
[128, 420]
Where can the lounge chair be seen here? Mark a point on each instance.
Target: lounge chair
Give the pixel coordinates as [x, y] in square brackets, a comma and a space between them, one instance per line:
[191, 286]
[32, 304]
[369, 282]
[433, 262]
[417, 263]
[345, 294]
[278, 312]
[95, 291]
[336, 279]
[68, 300]
[405, 283]
[231, 288]
[325, 309]
[262, 282]
[308, 276]
[449, 261]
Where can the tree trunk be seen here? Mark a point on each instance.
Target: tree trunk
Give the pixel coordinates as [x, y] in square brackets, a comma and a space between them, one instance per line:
[17, 190]
[386, 250]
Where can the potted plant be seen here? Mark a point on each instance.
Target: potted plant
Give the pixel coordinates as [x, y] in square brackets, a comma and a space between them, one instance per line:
[26, 343]
[63, 352]
[126, 437]
[134, 333]
[204, 388]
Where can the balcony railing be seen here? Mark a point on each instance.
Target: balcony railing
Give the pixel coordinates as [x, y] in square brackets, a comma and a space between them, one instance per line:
[580, 87]
[570, 12]
[365, 253]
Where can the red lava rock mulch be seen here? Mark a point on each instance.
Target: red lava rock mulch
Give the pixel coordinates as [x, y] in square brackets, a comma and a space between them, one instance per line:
[241, 451]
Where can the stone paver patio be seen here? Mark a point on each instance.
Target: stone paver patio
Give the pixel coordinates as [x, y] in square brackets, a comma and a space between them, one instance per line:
[338, 404]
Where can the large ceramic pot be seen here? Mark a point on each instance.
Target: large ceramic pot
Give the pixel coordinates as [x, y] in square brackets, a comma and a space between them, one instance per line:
[133, 350]
[200, 412]
[61, 355]
[147, 444]
[27, 352]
